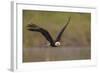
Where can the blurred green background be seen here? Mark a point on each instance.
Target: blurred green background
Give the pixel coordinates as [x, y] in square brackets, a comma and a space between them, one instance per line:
[77, 35]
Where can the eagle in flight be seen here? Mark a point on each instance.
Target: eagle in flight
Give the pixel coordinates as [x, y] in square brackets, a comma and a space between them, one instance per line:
[46, 34]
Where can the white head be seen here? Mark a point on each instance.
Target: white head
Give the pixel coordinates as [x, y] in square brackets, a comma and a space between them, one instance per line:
[57, 43]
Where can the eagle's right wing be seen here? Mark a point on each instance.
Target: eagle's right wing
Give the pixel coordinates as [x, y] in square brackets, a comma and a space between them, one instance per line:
[45, 33]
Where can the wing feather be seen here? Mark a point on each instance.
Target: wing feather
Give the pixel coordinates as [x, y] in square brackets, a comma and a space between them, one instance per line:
[58, 38]
[44, 32]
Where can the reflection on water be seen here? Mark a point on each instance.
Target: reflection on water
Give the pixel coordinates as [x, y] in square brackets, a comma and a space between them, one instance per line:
[37, 54]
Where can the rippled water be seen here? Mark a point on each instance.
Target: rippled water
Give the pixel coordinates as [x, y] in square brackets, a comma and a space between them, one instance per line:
[37, 54]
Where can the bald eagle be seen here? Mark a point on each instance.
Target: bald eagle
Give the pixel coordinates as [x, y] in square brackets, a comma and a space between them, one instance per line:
[46, 34]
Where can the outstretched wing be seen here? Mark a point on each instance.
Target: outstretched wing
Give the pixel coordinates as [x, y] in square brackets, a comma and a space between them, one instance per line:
[61, 31]
[45, 33]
